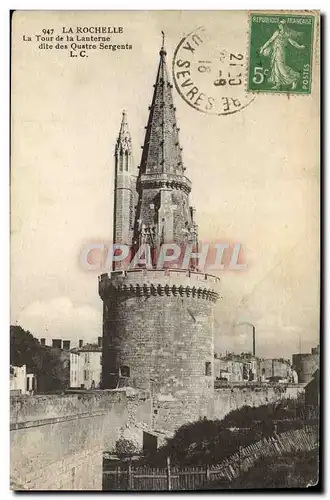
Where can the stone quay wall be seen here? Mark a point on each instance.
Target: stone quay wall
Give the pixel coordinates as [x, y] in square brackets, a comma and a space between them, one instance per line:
[57, 442]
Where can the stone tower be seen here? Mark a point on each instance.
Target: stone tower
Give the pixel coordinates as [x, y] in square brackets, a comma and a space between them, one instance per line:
[158, 322]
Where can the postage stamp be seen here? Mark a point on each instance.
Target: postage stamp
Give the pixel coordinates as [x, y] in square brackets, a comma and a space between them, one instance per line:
[280, 53]
[209, 72]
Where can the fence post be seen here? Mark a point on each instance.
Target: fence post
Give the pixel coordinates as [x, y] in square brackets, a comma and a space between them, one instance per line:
[207, 473]
[130, 477]
[168, 463]
[118, 478]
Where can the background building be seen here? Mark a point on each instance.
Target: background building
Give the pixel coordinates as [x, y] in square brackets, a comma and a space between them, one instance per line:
[22, 382]
[236, 367]
[245, 367]
[228, 368]
[306, 364]
[85, 365]
[275, 367]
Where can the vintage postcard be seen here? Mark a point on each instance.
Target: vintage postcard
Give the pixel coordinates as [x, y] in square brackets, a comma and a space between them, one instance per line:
[165, 220]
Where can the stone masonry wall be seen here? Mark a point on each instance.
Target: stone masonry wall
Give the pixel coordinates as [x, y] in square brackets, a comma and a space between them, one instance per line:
[166, 340]
[139, 407]
[57, 441]
[231, 398]
[171, 414]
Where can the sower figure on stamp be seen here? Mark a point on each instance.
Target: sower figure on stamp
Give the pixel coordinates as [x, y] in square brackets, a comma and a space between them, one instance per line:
[275, 48]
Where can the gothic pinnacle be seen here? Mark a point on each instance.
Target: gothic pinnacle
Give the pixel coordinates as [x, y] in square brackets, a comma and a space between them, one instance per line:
[123, 120]
[124, 137]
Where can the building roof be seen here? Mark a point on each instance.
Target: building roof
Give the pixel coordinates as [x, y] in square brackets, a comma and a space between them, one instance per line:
[87, 348]
[235, 357]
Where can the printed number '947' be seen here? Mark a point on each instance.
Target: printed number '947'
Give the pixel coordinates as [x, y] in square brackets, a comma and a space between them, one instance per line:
[259, 75]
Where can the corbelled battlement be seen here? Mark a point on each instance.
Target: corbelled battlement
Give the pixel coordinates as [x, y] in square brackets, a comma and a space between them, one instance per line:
[169, 181]
[163, 282]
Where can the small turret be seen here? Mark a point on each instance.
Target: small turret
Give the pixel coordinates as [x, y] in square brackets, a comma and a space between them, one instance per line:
[124, 186]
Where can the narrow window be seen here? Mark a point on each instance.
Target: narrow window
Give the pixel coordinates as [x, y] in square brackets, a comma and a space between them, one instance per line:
[208, 369]
[125, 371]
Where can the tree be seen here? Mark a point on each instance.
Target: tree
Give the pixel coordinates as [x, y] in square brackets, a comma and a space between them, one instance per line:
[24, 348]
[43, 361]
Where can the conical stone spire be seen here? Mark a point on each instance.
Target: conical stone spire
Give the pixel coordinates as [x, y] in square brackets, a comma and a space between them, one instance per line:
[161, 150]
[163, 214]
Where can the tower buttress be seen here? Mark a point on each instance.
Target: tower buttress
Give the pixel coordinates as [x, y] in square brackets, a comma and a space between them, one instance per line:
[125, 180]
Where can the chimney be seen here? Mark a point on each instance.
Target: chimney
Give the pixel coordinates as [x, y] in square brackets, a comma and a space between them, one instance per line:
[43, 341]
[99, 341]
[57, 343]
[81, 342]
[66, 345]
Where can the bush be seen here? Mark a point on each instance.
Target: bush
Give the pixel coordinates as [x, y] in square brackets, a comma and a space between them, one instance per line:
[253, 417]
[125, 447]
[204, 442]
[294, 470]
[211, 441]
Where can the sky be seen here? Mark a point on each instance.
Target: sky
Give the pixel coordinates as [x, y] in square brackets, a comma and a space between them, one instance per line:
[255, 180]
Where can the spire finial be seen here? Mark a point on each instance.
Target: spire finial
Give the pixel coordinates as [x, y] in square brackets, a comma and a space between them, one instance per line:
[162, 50]
[124, 138]
[124, 118]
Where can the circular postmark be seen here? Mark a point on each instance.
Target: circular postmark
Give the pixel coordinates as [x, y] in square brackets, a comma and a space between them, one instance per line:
[210, 77]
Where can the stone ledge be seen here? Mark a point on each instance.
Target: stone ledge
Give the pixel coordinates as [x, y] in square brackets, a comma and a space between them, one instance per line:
[170, 181]
[54, 420]
[160, 273]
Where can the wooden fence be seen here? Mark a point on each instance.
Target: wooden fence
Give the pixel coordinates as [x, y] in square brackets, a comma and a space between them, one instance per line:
[158, 479]
[144, 478]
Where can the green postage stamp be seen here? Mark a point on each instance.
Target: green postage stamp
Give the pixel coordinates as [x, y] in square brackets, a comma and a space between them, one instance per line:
[281, 48]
